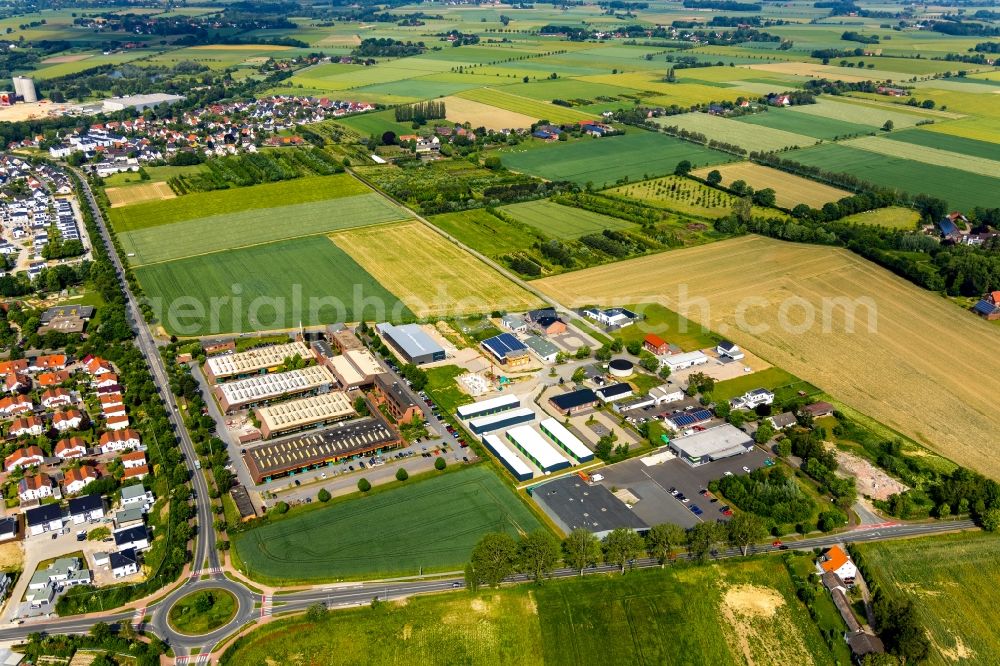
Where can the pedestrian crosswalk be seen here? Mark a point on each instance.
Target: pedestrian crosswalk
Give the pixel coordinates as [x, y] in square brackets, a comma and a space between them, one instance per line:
[204, 658]
[266, 605]
[140, 614]
[206, 572]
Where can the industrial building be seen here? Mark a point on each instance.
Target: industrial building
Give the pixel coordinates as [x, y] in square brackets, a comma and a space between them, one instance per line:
[508, 458]
[683, 361]
[295, 415]
[490, 406]
[288, 457]
[536, 449]
[140, 102]
[716, 443]
[566, 440]
[396, 397]
[253, 361]
[506, 419]
[507, 349]
[354, 368]
[260, 389]
[411, 343]
[614, 392]
[574, 401]
[544, 350]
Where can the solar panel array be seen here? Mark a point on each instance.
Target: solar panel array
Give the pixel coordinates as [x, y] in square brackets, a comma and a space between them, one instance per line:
[691, 418]
[504, 344]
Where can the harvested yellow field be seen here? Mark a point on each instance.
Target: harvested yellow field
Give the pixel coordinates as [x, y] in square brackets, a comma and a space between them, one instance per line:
[130, 194]
[813, 70]
[430, 275]
[912, 361]
[461, 110]
[240, 47]
[790, 190]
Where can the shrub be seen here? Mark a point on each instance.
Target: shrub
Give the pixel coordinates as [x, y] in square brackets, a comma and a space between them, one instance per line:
[323, 495]
[363, 485]
[439, 464]
[401, 474]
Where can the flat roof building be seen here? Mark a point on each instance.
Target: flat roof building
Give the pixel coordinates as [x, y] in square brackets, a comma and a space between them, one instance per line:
[531, 444]
[716, 443]
[241, 498]
[507, 458]
[566, 440]
[298, 414]
[574, 401]
[489, 406]
[253, 361]
[396, 397]
[355, 368]
[543, 349]
[291, 456]
[260, 389]
[683, 361]
[411, 343]
[501, 420]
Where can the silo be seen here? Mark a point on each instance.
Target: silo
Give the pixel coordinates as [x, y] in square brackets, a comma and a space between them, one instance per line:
[25, 87]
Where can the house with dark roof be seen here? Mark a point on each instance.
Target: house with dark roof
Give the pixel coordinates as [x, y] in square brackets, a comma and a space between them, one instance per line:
[124, 562]
[44, 518]
[574, 401]
[86, 508]
[132, 537]
[614, 392]
[988, 306]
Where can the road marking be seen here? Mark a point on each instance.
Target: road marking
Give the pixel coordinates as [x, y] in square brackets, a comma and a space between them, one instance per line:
[206, 572]
[203, 658]
[265, 605]
[140, 614]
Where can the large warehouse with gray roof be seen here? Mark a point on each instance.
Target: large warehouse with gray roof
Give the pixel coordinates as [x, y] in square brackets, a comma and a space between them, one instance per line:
[411, 343]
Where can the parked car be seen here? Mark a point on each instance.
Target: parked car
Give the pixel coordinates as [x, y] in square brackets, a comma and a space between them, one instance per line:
[696, 510]
[746, 469]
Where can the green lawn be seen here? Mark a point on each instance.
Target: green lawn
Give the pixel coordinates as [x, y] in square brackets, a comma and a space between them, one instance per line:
[187, 618]
[156, 174]
[637, 155]
[203, 204]
[277, 285]
[251, 227]
[378, 123]
[735, 612]
[894, 217]
[951, 580]
[670, 326]
[426, 525]
[558, 221]
[769, 378]
[484, 232]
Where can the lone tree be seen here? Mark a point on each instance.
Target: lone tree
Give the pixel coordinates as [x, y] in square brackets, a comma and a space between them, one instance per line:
[363, 485]
[887, 127]
[494, 558]
[662, 539]
[539, 554]
[701, 540]
[744, 529]
[323, 495]
[714, 177]
[683, 168]
[440, 463]
[622, 546]
[581, 549]
[401, 474]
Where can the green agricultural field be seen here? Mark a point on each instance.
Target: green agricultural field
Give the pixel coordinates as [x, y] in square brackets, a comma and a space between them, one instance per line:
[893, 217]
[525, 105]
[558, 221]
[951, 580]
[785, 385]
[860, 113]
[932, 156]
[734, 612]
[221, 202]
[760, 139]
[484, 232]
[960, 189]
[946, 142]
[157, 174]
[377, 123]
[204, 235]
[805, 124]
[425, 525]
[669, 325]
[685, 195]
[636, 155]
[264, 287]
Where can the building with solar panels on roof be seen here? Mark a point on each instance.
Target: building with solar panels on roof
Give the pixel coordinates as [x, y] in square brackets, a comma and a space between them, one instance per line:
[716, 443]
[688, 419]
[507, 350]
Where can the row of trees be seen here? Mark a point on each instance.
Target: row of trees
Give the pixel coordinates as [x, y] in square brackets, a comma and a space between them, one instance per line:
[499, 556]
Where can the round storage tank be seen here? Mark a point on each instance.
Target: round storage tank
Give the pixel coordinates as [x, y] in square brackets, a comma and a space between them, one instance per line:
[621, 368]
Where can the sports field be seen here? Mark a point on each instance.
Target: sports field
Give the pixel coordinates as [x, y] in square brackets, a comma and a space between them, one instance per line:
[729, 614]
[760, 139]
[871, 369]
[789, 190]
[427, 525]
[558, 221]
[951, 580]
[203, 204]
[432, 276]
[263, 287]
[961, 189]
[123, 196]
[252, 227]
[636, 155]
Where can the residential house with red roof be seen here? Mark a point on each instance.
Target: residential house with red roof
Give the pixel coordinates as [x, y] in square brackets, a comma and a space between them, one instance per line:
[69, 419]
[52, 378]
[74, 447]
[77, 479]
[28, 425]
[56, 397]
[655, 345]
[836, 560]
[134, 459]
[132, 473]
[117, 422]
[34, 487]
[29, 456]
[120, 440]
[49, 362]
[14, 405]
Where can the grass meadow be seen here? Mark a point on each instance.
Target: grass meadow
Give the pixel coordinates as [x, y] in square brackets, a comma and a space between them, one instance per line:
[945, 142]
[734, 612]
[558, 221]
[893, 217]
[803, 124]
[484, 232]
[234, 200]
[270, 279]
[425, 525]
[951, 579]
[760, 139]
[783, 383]
[204, 235]
[527, 106]
[636, 155]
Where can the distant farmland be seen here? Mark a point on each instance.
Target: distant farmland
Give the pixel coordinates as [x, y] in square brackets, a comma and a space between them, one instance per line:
[790, 190]
[270, 279]
[558, 221]
[637, 155]
[876, 373]
[764, 139]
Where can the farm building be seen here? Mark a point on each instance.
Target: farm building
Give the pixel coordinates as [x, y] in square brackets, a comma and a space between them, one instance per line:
[291, 456]
[507, 458]
[531, 444]
[614, 392]
[836, 560]
[550, 325]
[574, 401]
[507, 349]
[514, 323]
[502, 420]
[612, 318]
[302, 413]
[396, 397]
[655, 345]
[818, 409]
[544, 351]
[354, 368]
[716, 443]
[260, 389]
[684, 361]
[252, 361]
[566, 440]
[666, 393]
[730, 350]
[489, 406]
[988, 307]
[411, 343]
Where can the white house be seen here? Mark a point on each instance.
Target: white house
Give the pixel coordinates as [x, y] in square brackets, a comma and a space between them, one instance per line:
[136, 497]
[752, 399]
[124, 563]
[57, 397]
[44, 518]
[132, 537]
[666, 394]
[727, 349]
[31, 425]
[70, 419]
[77, 479]
[134, 459]
[120, 440]
[74, 447]
[514, 323]
[27, 457]
[836, 560]
[612, 317]
[34, 487]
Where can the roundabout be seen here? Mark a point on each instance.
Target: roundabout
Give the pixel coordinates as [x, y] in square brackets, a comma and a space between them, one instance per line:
[202, 611]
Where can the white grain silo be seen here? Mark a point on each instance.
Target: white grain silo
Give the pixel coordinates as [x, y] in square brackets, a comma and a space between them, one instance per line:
[25, 88]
